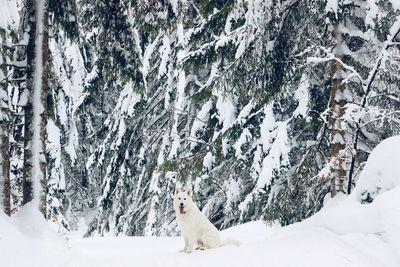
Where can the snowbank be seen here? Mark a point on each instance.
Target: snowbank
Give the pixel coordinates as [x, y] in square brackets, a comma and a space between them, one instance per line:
[370, 232]
[28, 240]
[381, 172]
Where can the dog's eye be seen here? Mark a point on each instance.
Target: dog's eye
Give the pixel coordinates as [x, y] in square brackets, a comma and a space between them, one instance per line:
[184, 198]
[179, 198]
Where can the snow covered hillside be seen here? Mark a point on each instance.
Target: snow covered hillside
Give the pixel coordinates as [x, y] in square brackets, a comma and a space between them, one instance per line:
[344, 233]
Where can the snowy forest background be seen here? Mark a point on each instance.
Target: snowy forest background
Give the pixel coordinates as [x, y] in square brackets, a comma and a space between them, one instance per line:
[264, 107]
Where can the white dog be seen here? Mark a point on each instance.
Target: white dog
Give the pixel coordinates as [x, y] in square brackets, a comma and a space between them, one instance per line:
[197, 231]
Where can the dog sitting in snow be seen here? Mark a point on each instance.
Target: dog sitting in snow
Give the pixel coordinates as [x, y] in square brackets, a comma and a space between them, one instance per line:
[197, 231]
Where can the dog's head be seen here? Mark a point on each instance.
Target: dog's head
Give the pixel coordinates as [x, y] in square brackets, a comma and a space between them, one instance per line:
[183, 200]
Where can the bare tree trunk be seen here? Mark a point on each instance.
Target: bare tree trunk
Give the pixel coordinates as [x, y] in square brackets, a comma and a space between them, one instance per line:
[44, 95]
[337, 108]
[28, 110]
[4, 130]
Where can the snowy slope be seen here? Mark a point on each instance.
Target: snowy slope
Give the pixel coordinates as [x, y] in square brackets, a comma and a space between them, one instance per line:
[28, 240]
[344, 233]
[381, 172]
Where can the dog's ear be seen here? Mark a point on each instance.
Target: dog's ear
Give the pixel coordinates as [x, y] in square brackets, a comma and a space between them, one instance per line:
[190, 191]
[177, 190]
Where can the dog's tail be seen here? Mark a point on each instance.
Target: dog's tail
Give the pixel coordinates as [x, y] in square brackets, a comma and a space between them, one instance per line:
[230, 241]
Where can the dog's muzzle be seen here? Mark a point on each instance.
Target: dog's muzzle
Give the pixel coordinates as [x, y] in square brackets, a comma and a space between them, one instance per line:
[181, 209]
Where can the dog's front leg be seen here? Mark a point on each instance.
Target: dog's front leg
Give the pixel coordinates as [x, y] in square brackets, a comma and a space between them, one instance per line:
[190, 245]
[185, 239]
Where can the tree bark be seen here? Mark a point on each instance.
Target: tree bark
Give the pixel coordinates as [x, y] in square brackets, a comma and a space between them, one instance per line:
[36, 109]
[27, 190]
[44, 95]
[4, 131]
[337, 108]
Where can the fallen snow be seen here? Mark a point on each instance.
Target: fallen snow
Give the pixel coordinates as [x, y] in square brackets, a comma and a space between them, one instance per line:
[344, 233]
[381, 172]
[28, 240]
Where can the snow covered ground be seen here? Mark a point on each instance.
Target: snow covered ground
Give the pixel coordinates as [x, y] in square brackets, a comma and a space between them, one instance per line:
[344, 233]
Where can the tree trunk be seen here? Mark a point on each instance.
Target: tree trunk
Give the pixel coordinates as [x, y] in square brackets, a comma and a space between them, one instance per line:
[44, 95]
[28, 110]
[337, 108]
[36, 108]
[4, 130]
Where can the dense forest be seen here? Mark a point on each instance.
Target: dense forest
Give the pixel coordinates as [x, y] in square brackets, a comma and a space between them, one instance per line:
[264, 107]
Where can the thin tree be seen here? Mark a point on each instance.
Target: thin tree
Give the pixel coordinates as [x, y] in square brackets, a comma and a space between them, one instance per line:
[4, 127]
[336, 106]
[35, 109]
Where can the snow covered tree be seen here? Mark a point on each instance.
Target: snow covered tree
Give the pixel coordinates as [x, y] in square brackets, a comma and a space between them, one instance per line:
[17, 94]
[353, 79]
[35, 110]
[264, 107]
[227, 88]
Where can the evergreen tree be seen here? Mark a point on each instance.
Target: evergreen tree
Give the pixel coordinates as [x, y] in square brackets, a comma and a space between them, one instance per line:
[264, 107]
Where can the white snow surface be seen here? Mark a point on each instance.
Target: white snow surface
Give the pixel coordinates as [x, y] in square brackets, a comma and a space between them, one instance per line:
[9, 14]
[382, 170]
[344, 233]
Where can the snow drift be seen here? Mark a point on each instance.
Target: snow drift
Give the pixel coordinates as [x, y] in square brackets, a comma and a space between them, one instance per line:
[346, 232]
[28, 240]
[381, 172]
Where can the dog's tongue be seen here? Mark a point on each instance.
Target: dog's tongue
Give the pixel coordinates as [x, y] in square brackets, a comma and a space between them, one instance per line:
[181, 210]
